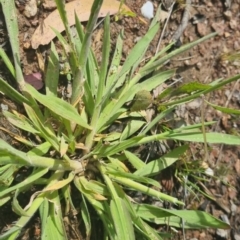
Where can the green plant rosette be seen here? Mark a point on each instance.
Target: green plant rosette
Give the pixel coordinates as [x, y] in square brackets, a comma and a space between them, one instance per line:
[74, 147]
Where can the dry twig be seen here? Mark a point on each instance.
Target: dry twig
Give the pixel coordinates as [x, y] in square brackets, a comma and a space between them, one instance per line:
[176, 36]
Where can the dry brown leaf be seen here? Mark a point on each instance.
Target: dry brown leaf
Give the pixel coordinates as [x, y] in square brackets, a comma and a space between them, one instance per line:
[44, 34]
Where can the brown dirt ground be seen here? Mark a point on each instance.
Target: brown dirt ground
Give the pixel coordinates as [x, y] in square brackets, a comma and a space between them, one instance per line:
[203, 63]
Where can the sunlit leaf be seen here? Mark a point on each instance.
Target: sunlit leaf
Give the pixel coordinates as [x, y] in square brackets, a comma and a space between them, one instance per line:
[192, 219]
[156, 166]
[224, 109]
[58, 106]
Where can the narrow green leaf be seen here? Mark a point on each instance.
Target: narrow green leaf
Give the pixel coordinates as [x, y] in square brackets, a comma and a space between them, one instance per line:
[78, 80]
[146, 190]
[4, 200]
[58, 106]
[224, 109]
[7, 62]
[96, 187]
[54, 227]
[79, 27]
[149, 68]
[189, 88]
[10, 155]
[156, 166]
[183, 132]
[60, 184]
[62, 12]
[16, 206]
[114, 173]
[122, 220]
[79, 183]
[116, 148]
[20, 121]
[191, 219]
[141, 226]
[31, 179]
[88, 94]
[132, 60]
[86, 217]
[10, 16]
[131, 128]
[105, 60]
[44, 212]
[115, 63]
[215, 85]
[121, 217]
[107, 117]
[112, 137]
[157, 119]
[12, 93]
[7, 174]
[91, 74]
[154, 81]
[134, 160]
[45, 130]
[67, 196]
[52, 73]
[138, 51]
[71, 51]
[11, 234]
[62, 40]
[41, 149]
[219, 138]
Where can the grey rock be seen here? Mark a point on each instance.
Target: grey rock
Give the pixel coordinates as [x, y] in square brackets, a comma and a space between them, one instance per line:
[31, 8]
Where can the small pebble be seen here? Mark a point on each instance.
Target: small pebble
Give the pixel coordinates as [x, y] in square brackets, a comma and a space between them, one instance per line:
[198, 65]
[201, 28]
[236, 94]
[195, 104]
[4, 107]
[27, 45]
[233, 208]
[227, 93]
[224, 217]
[236, 45]
[209, 172]
[233, 24]
[236, 236]
[228, 3]
[218, 27]
[228, 15]
[227, 34]
[30, 8]
[49, 5]
[222, 233]
[147, 10]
